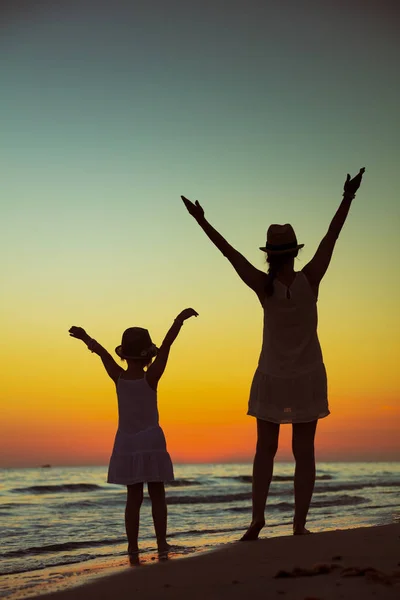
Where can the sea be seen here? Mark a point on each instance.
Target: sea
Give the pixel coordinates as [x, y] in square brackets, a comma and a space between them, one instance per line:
[61, 526]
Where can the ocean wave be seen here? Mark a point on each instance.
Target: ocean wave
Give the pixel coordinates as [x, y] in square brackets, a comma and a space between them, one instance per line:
[282, 506]
[202, 532]
[291, 477]
[182, 483]
[355, 486]
[333, 491]
[380, 506]
[212, 499]
[241, 509]
[249, 478]
[241, 478]
[70, 546]
[56, 489]
[95, 503]
[13, 569]
[334, 497]
[65, 547]
[319, 488]
[13, 505]
[344, 500]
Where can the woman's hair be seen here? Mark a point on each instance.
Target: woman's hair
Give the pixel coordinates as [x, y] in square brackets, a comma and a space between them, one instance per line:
[276, 262]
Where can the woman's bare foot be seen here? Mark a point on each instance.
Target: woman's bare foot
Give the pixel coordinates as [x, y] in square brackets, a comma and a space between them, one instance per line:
[301, 531]
[253, 531]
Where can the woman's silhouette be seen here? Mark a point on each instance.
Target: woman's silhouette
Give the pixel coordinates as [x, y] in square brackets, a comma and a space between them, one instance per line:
[289, 385]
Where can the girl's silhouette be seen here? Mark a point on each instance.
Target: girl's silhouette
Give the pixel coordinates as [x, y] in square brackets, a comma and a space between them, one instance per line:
[140, 453]
[289, 385]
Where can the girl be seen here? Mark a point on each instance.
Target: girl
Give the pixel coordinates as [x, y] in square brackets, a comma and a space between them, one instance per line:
[139, 454]
[289, 385]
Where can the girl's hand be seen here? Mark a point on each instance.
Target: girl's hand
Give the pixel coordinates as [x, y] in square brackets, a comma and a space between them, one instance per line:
[194, 208]
[352, 185]
[78, 332]
[186, 314]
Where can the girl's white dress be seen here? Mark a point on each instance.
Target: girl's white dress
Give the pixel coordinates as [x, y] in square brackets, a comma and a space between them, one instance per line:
[140, 452]
[289, 385]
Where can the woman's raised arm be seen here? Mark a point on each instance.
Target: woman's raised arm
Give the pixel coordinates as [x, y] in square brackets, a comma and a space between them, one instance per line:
[318, 265]
[254, 278]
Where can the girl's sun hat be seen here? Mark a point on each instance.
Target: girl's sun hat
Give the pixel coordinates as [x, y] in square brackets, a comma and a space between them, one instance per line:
[136, 343]
[281, 239]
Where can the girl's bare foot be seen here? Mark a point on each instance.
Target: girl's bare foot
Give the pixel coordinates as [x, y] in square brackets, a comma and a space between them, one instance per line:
[163, 547]
[134, 559]
[253, 531]
[133, 555]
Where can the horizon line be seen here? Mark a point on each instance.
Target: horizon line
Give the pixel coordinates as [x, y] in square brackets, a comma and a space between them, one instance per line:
[249, 462]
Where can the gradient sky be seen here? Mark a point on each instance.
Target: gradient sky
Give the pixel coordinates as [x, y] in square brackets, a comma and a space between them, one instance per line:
[110, 111]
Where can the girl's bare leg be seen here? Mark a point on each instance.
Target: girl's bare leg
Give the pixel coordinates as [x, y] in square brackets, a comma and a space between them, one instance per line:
[159, 512]
[132, 511]
[304, 475]
[263, 465]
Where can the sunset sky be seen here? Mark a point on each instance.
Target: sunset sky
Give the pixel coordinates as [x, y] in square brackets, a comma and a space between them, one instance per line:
[258, 109]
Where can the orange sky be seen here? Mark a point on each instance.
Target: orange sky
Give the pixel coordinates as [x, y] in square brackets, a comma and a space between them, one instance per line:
[102, 139]
[70, 416]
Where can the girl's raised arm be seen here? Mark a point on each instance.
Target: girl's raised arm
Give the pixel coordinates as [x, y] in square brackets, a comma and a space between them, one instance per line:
[254, 278]
[156, 369]
[318, 265]
[113, 369]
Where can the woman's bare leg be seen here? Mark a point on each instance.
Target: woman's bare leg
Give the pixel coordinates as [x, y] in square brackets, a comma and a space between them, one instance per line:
[263, 465]
[132, 511]
[304, 475]
[159, 512]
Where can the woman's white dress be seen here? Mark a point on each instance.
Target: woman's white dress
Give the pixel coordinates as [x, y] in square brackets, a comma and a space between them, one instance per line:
[290, 385]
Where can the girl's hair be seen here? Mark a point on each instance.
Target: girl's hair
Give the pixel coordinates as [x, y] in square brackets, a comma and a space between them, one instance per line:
[143, 362]
[276, 262]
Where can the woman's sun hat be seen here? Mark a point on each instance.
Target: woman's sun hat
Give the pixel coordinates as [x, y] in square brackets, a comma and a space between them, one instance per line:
[281, 239]
[136, 343]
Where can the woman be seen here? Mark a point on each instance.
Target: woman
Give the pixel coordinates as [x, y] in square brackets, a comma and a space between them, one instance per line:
[289, 385]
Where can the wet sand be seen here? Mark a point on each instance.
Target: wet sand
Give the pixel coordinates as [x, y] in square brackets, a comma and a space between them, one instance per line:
[344, 564]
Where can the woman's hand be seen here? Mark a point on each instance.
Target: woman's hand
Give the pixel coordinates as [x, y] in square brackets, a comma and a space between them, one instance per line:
[194, 208]
[186, 314]
[352, 185]
[78, 332]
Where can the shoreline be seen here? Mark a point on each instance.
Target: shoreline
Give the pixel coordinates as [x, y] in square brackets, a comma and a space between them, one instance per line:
[71, 575]
[335, 565]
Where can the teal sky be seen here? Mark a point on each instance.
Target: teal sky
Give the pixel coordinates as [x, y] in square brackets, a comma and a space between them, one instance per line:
[111, 110]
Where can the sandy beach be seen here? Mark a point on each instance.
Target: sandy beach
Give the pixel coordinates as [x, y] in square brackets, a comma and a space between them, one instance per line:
[350, 564]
